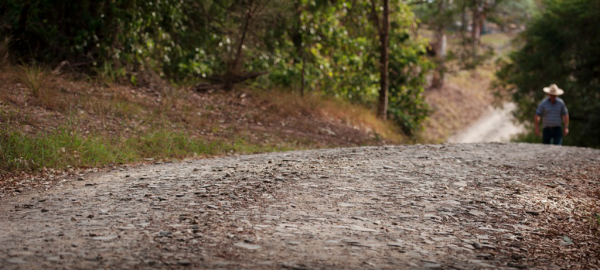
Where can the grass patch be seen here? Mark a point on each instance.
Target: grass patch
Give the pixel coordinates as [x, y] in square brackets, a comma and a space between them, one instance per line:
[312, 103]
[64, 148]
[497, 40]
[34, 77]
[57, 149]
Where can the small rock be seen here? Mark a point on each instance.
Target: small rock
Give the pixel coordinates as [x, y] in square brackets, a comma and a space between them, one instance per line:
[477, 213]
[184, 262]
[294, 266]
[106, 238]
[362, 229]
[566, 241]
[343, 204]
[246, 246]
[165, 233]
[518, 266]
[460, 184]
[53, 258]
[16, 261]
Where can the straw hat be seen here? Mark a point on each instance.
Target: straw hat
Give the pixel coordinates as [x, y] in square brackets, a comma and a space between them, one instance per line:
[553, 90]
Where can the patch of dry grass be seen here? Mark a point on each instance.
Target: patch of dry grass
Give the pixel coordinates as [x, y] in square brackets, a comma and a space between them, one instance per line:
[288, 103]
[44, 90]
[34, 76]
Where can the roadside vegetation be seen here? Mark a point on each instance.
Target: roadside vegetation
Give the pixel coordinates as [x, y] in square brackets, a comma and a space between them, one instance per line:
[93, 83]
[88, 122]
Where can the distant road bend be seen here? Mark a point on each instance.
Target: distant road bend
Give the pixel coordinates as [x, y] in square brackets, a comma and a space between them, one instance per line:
[496, 125]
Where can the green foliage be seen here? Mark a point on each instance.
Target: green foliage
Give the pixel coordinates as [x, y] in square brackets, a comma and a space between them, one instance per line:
[515, 12]
[408, 68]
[133, 35]
[560, 46]
[59, 149]
[334, 43]
[342, 58]
[65, 147]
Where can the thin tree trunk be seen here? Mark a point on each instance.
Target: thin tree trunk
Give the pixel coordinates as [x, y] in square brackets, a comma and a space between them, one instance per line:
[463, 31]
[440, 54]
[440, 49]
[300, 47]
[384, 59]
[235, 65]
[302, 74]
[476, 27]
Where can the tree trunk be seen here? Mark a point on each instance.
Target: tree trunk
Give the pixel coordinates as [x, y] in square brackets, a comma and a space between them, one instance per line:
[440, 69]
[476, 27]
[302, 74]
[235, 64]
[440, 49]
[300, 47]
[384, 61]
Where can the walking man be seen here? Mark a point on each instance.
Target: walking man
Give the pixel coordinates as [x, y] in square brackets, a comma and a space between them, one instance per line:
[553, 112]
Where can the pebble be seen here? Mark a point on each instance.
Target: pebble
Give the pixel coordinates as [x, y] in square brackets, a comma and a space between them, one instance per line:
[106, 238]
[247, 246]
[16, 261]
[184, 262]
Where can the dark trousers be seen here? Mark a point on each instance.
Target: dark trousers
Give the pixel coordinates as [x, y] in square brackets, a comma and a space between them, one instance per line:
[552, 134]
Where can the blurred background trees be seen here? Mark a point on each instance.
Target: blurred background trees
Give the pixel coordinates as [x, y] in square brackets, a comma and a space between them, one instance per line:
[561, 45]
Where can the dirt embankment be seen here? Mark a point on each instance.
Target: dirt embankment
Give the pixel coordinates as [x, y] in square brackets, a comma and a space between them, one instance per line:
[111, 109]
[457, 206]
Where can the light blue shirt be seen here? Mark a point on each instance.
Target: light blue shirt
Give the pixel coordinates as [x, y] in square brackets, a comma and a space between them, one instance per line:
[552, 113]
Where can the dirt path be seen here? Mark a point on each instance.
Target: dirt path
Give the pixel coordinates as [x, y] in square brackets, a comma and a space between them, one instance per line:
[494, 126]
[457, 206]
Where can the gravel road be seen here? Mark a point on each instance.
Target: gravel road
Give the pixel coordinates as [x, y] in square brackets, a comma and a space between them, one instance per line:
[451, 206]
[496, 125]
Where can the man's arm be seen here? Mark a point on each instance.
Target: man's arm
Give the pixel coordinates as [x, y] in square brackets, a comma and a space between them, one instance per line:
[566, 121]
[536, 120]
